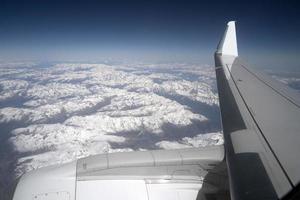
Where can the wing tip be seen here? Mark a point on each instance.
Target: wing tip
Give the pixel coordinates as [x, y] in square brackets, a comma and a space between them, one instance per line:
[228, 44]
[230, 23]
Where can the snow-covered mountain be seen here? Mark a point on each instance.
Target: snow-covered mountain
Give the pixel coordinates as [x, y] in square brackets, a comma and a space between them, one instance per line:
[56, 114]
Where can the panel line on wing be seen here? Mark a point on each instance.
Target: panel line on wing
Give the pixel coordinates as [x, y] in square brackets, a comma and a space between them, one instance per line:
[278, 92]
[253, 118]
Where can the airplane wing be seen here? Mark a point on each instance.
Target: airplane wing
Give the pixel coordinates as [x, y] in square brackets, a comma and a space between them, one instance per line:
[261, 125]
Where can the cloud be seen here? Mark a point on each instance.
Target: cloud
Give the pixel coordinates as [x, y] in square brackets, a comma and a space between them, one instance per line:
[293, 82]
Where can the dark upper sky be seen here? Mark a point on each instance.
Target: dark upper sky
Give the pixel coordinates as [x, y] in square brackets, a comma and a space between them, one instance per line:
[268, 31]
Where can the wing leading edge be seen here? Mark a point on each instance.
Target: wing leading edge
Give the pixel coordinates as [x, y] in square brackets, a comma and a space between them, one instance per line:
[260, 120]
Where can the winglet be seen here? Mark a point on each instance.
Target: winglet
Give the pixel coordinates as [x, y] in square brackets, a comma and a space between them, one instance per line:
[228, 44]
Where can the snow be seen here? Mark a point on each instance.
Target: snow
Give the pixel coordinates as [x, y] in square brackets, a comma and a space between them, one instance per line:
[201, 140]
[70, 110]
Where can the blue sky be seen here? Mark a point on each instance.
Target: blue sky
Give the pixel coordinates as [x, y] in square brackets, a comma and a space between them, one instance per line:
[152, 31]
